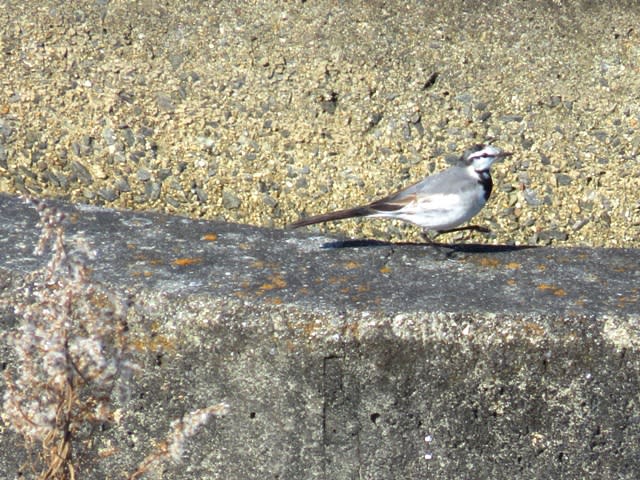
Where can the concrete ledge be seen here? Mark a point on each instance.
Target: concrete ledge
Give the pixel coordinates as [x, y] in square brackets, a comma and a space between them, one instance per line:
[338, 358]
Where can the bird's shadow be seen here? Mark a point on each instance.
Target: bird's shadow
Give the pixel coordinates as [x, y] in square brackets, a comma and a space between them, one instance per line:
[453, 247]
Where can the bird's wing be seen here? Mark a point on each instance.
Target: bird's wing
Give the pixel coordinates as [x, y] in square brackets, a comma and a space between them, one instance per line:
[405, 197]
[392, 203]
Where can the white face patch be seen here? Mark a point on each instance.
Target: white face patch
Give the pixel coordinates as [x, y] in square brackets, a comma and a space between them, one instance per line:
[482, 159]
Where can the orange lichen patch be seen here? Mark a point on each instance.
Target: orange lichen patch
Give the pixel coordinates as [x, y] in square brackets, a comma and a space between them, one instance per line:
[351, 265]
[152, 343]
[4, 109]
[334, 280]
[309, 328]
[533, 329]
[623, 300]
[542, 267]
[385, 269]
[144, 273]
[362, 288]
[488, 262]
[244, 246]
[511, 282]
[210, 237]
[186, 261]
[275, 300]
[143, 257]
[258, 264]
[513, 265]
[275, 281]
[558, 292]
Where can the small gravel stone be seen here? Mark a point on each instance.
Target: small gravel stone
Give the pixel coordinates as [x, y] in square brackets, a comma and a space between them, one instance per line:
[544, 159]
[3, 157]
[143, 174]
[146, 132]
[136, 156]
[511, 118]
[51, 178]
[230, 200]
[329, 103]
[129, 136]
[531, 197]
[202, 195]
[109, 135]
[484, 116]
[108, 194]
[126, 97]
[88, 194]
[464, 98]
[165, 103]
[555, 100]
[119, 158]
[269, 201]
[164, 173]
[175, 203]
[63, 179]
[81, 172]
[122, 185]
[176, 59]
[526, 143]
[86, 145]
[579, 224]
[553, 234]
[563, 179]
[152, 191]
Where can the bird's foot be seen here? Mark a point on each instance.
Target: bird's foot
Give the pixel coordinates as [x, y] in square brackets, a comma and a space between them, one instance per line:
[430, 239]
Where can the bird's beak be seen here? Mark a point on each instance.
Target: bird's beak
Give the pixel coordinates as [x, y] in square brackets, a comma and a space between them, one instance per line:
[502, 155]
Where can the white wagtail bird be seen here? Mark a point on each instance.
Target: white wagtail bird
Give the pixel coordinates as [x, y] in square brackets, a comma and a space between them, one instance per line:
[440, 202]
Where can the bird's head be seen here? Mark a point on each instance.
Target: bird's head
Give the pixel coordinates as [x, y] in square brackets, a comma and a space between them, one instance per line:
[480, 156]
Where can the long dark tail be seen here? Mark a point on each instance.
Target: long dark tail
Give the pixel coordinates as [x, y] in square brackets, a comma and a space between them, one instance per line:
[327, 217]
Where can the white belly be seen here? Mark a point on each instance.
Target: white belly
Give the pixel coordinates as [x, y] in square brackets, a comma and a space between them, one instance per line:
[440, 212]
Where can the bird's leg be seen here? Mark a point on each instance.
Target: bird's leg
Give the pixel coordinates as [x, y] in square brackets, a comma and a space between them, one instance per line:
[476, 228]
[426, 236]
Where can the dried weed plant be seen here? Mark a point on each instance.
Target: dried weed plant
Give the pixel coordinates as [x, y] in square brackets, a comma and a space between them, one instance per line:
[71, 350]
[172, 448]
[72, 358]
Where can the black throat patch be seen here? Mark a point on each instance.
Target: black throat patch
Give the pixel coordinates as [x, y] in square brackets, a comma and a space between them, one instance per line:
[486, 182]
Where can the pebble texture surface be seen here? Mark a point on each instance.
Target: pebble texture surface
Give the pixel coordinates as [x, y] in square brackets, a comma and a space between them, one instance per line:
[258, 112]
